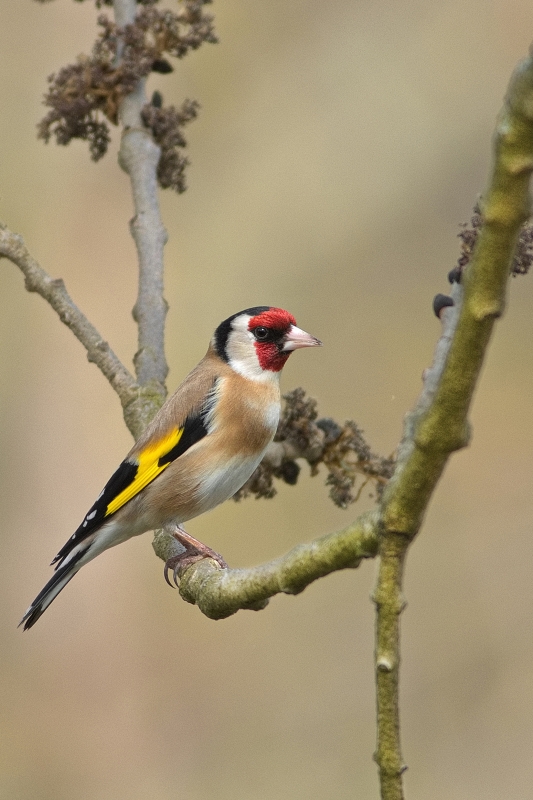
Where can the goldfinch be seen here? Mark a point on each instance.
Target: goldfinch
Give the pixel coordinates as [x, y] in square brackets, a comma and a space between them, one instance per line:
[199, 449]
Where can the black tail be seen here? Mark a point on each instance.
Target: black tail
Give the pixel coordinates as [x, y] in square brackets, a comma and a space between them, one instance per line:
[59, 580]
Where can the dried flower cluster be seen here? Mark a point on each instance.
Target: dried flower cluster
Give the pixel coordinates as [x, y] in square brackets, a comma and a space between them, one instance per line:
[342, 449]
[468, 237]
[166, 126]
[524, 249]
[84, 97]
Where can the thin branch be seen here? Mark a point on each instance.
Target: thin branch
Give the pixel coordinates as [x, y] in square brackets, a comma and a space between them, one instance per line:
[139, 157]
[439, 425]
[221, 593]
[139, 403]
[54, 292]
[388, 595]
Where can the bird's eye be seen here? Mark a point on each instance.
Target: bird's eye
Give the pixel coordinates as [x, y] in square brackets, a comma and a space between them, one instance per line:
[261, 333]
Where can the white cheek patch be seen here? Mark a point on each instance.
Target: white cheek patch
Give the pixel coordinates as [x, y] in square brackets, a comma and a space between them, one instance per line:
[242, 354]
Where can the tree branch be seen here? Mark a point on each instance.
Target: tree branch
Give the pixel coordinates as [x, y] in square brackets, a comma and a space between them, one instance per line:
[139, 403]
[54, 292]
[139, 157]
[221, 593]
[388, 595]
[439, 425]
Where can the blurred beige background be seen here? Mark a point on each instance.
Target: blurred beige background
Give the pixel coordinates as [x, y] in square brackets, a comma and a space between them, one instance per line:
[339, 146]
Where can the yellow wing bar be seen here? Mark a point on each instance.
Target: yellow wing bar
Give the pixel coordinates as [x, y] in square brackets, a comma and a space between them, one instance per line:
[147, 470]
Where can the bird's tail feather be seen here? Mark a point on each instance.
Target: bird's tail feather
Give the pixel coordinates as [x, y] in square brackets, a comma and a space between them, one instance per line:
[59, 580]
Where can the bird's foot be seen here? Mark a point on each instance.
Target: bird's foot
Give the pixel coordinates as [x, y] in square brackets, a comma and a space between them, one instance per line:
[194, 551]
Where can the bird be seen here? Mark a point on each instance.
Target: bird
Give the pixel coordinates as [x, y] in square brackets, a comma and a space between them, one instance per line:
[198, 451]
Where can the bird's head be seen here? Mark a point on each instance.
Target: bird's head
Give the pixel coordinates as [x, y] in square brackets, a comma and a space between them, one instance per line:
[257, 342]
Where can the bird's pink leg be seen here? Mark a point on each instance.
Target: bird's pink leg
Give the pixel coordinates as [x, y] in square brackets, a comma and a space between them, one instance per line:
[194, 551]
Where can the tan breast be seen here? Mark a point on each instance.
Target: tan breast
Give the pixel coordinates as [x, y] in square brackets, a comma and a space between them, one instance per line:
[247, 414]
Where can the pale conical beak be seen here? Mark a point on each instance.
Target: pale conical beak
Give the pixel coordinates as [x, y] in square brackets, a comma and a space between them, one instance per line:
[296, 338]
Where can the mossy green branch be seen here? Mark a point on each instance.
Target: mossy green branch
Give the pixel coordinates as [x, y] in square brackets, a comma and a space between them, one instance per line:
[439, 424]
[389, 602]
[220, 593]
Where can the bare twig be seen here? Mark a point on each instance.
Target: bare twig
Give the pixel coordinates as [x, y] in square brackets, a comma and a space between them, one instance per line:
[139, 403]
[139, 157]
[54, 292]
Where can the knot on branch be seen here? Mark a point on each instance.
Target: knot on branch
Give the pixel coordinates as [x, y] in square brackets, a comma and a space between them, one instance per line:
[84, 97]
[341, 448]
[142, 405]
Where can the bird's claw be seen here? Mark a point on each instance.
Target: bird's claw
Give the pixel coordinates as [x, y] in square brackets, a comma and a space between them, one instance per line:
[174, 567]
[165, 572]
[178, 564]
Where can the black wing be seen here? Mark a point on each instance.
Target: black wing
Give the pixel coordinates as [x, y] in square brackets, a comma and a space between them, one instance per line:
[132, 476]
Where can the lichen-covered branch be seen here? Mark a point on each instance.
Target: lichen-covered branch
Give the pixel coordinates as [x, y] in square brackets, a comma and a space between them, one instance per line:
[439, 423]
[523, 254]
[221, 593]
[388, 594]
